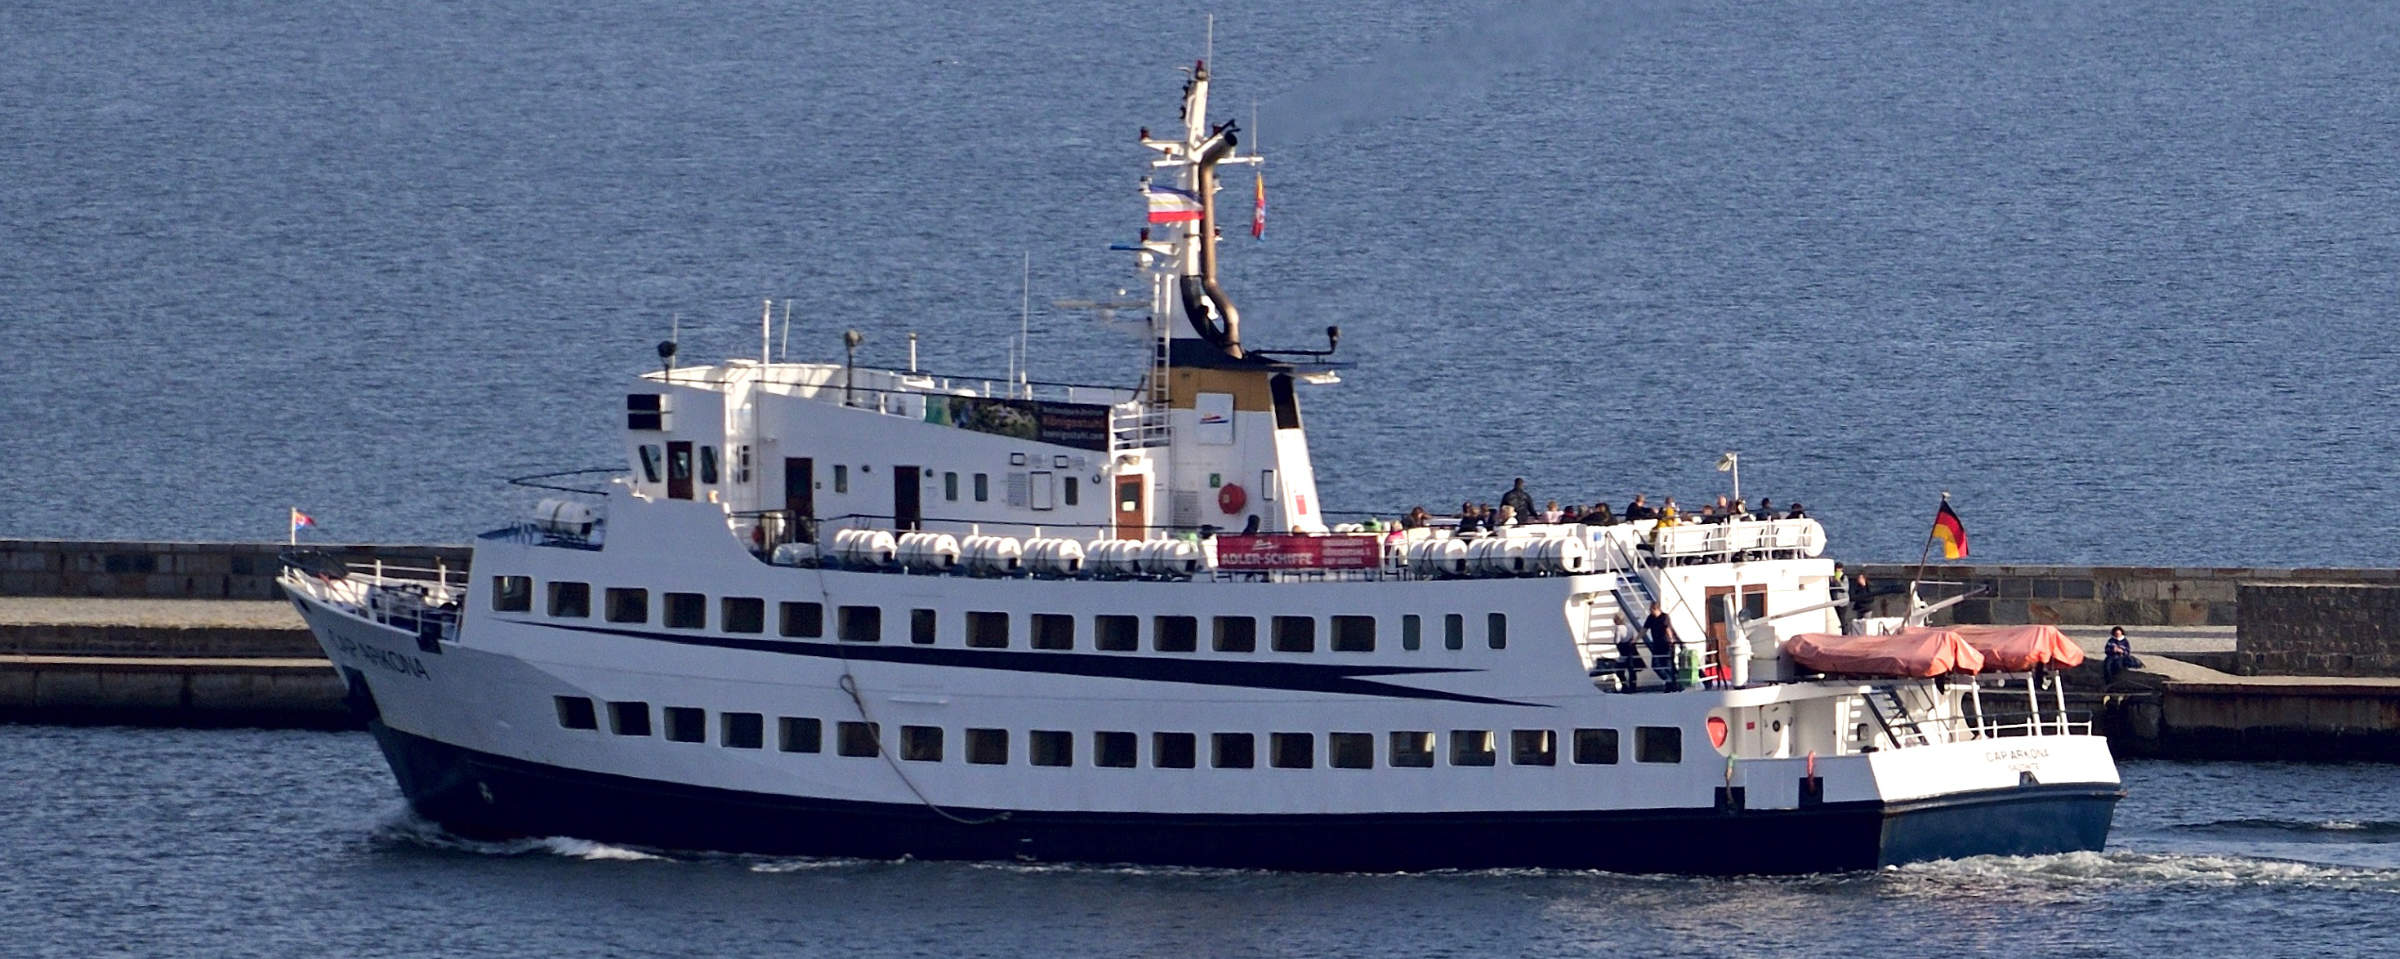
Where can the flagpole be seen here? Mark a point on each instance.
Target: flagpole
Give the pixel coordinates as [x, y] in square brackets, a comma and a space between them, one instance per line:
[1925, 557]
[291, 522]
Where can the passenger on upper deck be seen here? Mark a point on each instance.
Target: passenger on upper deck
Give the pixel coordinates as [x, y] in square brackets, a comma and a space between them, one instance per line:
[1509, 517]
[1798, 512]
[1766, 509]
[1569, 513]
[1417, 518]
[1550, 512]
[1639, 509]
[1517, 497]
[1470, 519]
[1599, 515]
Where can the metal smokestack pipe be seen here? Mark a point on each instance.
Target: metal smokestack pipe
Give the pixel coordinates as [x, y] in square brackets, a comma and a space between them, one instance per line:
[1211, 152]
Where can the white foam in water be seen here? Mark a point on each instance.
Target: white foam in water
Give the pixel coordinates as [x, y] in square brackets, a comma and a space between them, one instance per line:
[2093, 868]
[405, 825]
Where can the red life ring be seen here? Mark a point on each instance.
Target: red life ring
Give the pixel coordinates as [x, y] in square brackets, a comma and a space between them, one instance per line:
[1231, 499]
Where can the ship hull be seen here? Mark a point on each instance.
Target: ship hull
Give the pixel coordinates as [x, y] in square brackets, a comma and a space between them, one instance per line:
[485, 796]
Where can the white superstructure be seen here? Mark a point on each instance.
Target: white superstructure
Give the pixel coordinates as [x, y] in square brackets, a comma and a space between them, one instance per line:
[854, 611]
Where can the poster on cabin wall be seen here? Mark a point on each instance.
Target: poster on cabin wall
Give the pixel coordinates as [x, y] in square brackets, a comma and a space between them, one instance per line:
[1080, 425]
[1214, 414]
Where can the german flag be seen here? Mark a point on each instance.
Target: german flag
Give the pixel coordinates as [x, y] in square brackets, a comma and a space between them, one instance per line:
[1950, 531]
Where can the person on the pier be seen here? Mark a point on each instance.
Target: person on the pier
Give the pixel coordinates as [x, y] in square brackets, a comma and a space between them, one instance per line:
[2117, 656]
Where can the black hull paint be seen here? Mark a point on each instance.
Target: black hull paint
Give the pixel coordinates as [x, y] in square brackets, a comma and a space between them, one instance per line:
[485, 796]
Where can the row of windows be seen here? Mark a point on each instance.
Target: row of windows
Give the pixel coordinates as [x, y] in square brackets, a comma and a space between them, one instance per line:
[1168, 750]
[988, 629]
[982, 484]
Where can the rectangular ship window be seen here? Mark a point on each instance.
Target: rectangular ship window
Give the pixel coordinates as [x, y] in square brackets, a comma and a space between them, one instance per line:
[1354, 634]
[1412, 749]
[575, 712]
[1235, 634]
[920, 626]
[1495, 631]
[1053, 631]
[687, 611]
[1120, 634]
[622, 605]
[1295, 634]
[1292, 750]
[708, 465]
[1533, 747]
[805, 620]
[742, 730]
[950, 487]
[742, 614]
[796, 734]
[858, 740]
[987, 747]
[629, 718]
[1174, 634]
[1454, 631]
[1657, 744]
[983, 487]
[645, 411]
[841, 478]
[571, 600]
[1050, 747]
[987, 630]
[1412, 632]
[921, 743]
[686, 724]
[512, 594]
[859, 624]
[1115, 750]
[1174, 750]
[1596, 747]
[1067, 488]
[1471, 747]
[1232, 750]
[1350, 750]
[652, 456]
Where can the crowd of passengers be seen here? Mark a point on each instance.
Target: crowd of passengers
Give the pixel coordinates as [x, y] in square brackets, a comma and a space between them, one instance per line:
[1516, 509]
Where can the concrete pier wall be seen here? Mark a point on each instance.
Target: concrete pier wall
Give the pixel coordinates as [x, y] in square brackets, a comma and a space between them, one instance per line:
[303, 693]
[2127, 596]
[177, 570]
[2318, 629]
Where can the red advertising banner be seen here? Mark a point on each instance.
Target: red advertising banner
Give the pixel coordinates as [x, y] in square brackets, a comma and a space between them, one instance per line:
[1285, 551]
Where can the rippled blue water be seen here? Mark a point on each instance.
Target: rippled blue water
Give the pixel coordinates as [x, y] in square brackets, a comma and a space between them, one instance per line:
[2119, 276]
[143, 842]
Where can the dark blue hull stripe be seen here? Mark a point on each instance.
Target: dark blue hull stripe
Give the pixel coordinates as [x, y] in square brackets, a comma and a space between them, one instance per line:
[485, 796]
[1294, 677]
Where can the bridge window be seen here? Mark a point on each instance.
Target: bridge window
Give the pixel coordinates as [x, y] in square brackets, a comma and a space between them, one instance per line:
[1174, 750]
[1353, 634]
[743, 614]
[1116, 633]
[983, 487]
[859, 624]
[841, 478]
[1596, 747]
[1053, 631]
[1350, 750]
[626, 605]
[1070, 491]
[687, 611]
[920, 627]
[1471, 747]
[987, 747]
[571, 600]
[1454, 631]
[1232, 750]
[796, 734]
[1235, 634]
[645, 411]
[950, 487]
[742, 731]
[652, 456]
[1292, 750]
[857, 740]
[575, 712]
[512, 594]
[1657, 744]
[1496, 630]
[1051, 747]
[686, 724]
[1533, 747]
[1295, 634]
[708, 465]
[630, 718]
[1412, 750]
[805, 620]
[921, 743]
[1115, 750]
[987, 630]
[1175, 634]
[1412, 632]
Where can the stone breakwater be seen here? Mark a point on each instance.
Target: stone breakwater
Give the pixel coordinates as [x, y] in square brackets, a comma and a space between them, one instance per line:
[177, 570]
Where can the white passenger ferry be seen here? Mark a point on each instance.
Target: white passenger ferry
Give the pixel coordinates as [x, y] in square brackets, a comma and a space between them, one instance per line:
[831, 610]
